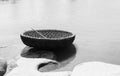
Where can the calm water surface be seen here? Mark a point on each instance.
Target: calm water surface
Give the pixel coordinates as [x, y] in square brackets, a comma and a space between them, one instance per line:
[96, 24]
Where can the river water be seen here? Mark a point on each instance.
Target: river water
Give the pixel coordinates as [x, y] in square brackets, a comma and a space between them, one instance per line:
[96, 24]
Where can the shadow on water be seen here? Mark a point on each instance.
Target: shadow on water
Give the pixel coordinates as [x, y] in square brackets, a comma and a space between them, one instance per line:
[55, 54]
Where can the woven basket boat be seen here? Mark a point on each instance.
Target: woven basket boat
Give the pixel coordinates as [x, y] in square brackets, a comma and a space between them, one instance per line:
[53, 39]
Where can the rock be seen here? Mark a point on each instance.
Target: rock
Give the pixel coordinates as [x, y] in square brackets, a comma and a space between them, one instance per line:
[11, 64]
[96, 69]
[29, 67]
[50, 66]
[3, 66]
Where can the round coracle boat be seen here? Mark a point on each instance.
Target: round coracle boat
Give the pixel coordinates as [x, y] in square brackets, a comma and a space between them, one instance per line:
[47, 39]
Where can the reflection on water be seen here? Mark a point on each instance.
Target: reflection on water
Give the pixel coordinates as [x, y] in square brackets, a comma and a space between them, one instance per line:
[63, 56]
[54, 54]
